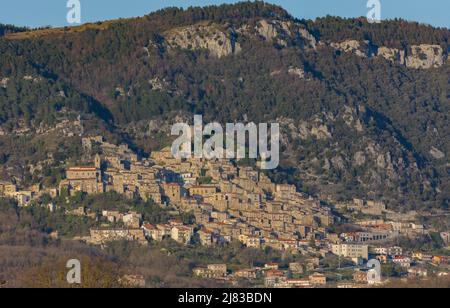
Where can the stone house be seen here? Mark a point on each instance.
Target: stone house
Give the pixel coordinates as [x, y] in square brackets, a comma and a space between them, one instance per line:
[132, 220]
[182, 234]
[106, 235]
[212, 271]
[318, 279]
[202, 190]
[172, 191]
[247, 274]
[7, 189]
[83, 179]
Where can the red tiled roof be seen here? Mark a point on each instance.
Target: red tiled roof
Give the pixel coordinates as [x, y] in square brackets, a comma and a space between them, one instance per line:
[149, 227]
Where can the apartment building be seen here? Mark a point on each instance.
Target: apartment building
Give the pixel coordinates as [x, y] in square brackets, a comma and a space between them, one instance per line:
[351, 251]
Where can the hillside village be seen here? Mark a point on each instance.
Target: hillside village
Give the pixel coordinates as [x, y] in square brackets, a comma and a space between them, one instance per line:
[364, 173]
[232, 202]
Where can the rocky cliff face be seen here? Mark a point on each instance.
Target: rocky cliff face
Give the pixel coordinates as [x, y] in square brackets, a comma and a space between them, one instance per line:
[392, 54]
[422, 56]
[280, 32]
[425, 57]
[351, 46]
[263, 64]
[274, 31]
[209, 37]
[371, 162]
[269, 30]
[4, 82]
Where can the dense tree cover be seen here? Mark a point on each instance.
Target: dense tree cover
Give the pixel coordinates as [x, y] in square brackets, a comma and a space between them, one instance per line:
[47, 153]
[96, 272]
[68, 225]
[6, 29]
[106, 72]
[103, 75]
[30, 258]
[395, 33]
[234, 254]
[28, 93]
[392, 270]
[427, 243]
[335, 262]
[239, 13]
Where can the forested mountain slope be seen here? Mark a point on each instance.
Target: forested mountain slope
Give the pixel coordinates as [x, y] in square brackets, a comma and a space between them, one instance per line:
[364, 107]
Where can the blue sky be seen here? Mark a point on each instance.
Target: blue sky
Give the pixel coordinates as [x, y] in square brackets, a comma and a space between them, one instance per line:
[53, 12]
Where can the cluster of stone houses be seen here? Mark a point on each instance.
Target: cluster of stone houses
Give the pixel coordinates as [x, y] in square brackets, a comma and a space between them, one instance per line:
[389, 229]
[130, 220]
[211, 271]
[26, 196]
[131, 227]
[395, 224]
[306, 274]
[229, 202]
[369, 207]
[103, 236]
[271, 275]
[276, 277]
[369, 236]
[175, 230]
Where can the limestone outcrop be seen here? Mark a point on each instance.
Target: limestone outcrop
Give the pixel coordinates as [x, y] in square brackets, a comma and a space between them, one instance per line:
[350, 46]
[197, 37]
[392, 54]
[422, 56]
[436, 153]
[4, 82]
[425, 56]
[282, 33]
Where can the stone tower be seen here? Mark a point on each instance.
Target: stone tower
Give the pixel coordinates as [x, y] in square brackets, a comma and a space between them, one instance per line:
[98, 161]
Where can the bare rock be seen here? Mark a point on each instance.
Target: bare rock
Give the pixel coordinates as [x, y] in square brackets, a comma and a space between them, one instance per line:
[327, 164]
[425, 56]
[359, 159]
[198, 37]
[308, 37]
[338, 162]
[275, 73]
[267, 30]
[296, 71]
[158, 84]
[381, 162]
[392, 54]
[274, 30]
[32, 78]
[350, 117]
[436, 153]
[314, 130]
[350, 46]
[422, 56]
[120, 91]
[4, 82]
